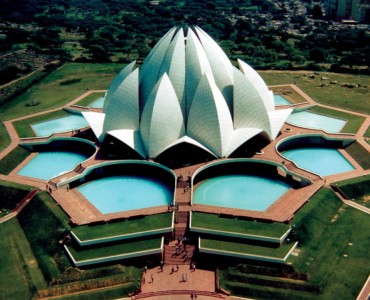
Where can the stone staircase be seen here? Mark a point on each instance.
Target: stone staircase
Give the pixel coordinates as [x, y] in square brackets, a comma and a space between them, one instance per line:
[182, 258]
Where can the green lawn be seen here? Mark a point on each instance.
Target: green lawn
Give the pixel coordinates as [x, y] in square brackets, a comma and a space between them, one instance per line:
[52, 95]
[215, 222]
[355, 99]
[90, 98]
[333, 251]
[359, 154]
[357, 189]
[20, 274]
[11, 195]
[4, 137]
[241, 247]
[44, 225]
[123, 227]
[334, 242]
[122, 247]
[114, 292]
[13, 159]
[353, 122]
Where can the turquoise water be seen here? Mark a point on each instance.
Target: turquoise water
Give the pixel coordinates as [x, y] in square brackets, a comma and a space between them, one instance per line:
[240, 191]
[72, 122]
[46, 165]
[122, 193]
[314, 121]
[98, 103]
[280, 100]
[322, 161]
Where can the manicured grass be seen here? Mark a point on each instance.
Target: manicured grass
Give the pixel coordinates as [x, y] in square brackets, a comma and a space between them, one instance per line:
[52, 95]
[123, 227]
[11, 195]
[123, 247]
[333, 251]
[357, 189]
[90, 99]
[334, 242]
[4, 137]
[15, 281]
[359, 154]
[44, 229]
[353, 122]
[356, 99]
[240, 247]
[115, 292]
[367, 133]
[215, 222]
[266, 292]
[13, 159]
[24, 129]
[288, 93]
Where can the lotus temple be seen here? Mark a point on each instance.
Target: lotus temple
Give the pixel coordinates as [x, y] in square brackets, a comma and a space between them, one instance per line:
[191, 147]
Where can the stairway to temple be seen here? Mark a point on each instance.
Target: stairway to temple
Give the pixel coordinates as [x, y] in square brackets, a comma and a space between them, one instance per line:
[180, 256]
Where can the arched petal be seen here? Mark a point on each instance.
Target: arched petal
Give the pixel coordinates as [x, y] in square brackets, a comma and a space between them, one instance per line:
[162, 122]
[123, 110]
[210, 121]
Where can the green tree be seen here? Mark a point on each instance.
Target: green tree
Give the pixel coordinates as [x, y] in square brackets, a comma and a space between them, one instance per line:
[318, 55]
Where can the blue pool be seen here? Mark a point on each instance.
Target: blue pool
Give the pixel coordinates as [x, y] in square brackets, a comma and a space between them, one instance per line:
[97, 103]
[122, 193]
[315, 121]
[47, 165]
[247, 192]
[72, 122]
[280, 100]
[322, 161]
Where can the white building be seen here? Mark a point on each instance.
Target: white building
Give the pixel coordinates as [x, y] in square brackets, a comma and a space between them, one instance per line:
[187, 92]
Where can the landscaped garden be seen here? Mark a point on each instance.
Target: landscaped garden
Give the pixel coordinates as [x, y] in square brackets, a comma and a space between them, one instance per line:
[333, 238]
[333, 243]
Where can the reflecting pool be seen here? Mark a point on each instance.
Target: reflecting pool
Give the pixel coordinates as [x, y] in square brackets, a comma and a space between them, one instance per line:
[280, 100]
[247, 192]
[315, 121]
[125, 192]
[99, 103]
[46, 165]
[322, 161]
[68, 123]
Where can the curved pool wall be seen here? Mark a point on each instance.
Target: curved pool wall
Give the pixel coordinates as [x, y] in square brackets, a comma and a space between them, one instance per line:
[127, 167]
[56, 145]
[309, 140]
[247, 166]
[72, 144]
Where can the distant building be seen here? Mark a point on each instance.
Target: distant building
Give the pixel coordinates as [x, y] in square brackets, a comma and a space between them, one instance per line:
[357, 10]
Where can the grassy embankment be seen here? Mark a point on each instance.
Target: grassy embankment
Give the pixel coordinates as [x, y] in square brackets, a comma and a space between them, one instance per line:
[44, 225]
[13, 159]
[51, 94]
[357, 189]
[333, 243]
[356, 99]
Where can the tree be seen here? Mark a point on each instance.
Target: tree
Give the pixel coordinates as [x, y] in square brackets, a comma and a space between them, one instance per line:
[317, 12]
[318, 55]
[99, 53]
